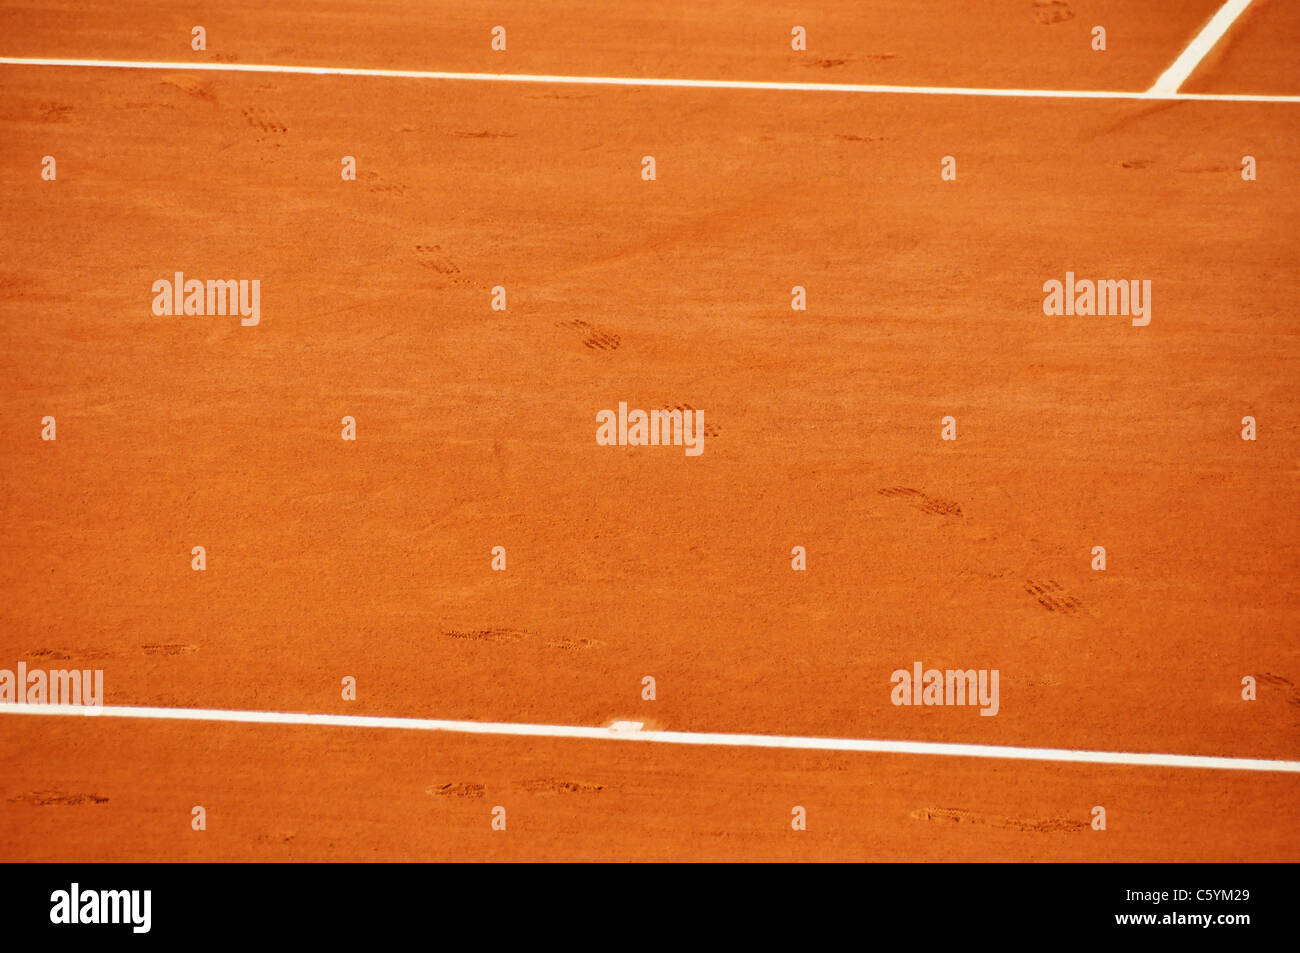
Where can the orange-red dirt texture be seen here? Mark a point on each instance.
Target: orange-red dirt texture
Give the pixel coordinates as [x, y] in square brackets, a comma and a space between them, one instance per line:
[475, 428]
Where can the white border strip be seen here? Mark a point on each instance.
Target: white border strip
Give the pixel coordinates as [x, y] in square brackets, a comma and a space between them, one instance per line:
[638, 81]
[1201, 44]
[622, 733]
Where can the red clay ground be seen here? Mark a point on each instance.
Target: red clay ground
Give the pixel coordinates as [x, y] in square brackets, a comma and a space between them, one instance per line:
[476, 429]
[276, 793]
[1015, 43]
[1251, 59]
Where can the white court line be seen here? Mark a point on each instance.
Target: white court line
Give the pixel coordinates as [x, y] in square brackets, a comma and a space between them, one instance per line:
[647, 81]
[620, 732]
[1201, 44]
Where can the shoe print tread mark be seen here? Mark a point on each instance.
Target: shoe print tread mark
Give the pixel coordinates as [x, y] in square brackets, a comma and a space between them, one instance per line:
[1047, 825]
[1052, 597]
[456, 789]
[262, 121]
[710, 430]
[54, 112]
[598, 339]
[70, 654]
[573, 645]
[57, 799]
[374, 185]
[49, 654]
[436, 260]
[1048, 12]
[922, 501]
[1293, 696]
[553, 786]
[487, 635]
[275, 838]
[833, 63]
[174, 648]
[190, 86]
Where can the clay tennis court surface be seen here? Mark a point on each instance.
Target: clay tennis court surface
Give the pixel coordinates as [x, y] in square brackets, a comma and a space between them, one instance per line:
[371, 559]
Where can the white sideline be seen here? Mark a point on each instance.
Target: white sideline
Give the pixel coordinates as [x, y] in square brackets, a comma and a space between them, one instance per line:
[634, 81]
[621, 732]
[1202, 43]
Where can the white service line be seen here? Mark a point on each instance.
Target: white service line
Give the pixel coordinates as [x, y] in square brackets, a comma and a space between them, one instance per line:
[642, 81]
[621, 731]
[1201, 44]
